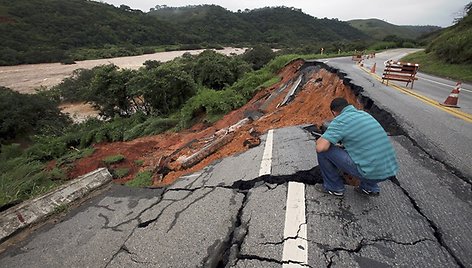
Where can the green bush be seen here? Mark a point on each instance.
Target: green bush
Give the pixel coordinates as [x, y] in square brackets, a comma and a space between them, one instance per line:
[113, 159]
[10, 151]
[211, 103]
[251, 82]
[47, 148]
[258, 56]
[24, 114]
[216, 71]
[142, 179]
[139, 162]
[279, 62]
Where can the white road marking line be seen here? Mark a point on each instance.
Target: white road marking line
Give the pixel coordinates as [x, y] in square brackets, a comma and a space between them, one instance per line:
[442, 84]
[295, 252]
[267, 156]
[295, 233]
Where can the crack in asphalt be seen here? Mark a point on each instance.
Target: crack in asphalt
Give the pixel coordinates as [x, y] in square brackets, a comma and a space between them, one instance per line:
[177, 214]
[134, 256]
[237, 235]
[271, 187]
[308, 177]
[263, 259]
[107, 207]
[436, 230]
[115, 228]
[457, 173]
[289, 238]
[364, 242]
[122, 248]
[147, 223]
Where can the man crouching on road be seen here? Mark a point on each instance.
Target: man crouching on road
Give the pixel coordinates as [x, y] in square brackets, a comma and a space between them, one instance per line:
[368, 153]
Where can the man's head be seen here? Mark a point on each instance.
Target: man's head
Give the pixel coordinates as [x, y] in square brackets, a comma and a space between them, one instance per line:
[337, 105]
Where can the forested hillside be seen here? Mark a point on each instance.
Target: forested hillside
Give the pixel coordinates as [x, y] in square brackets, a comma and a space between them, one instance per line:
[46, 30]
[380, 29]
[454, 44]
[277, 25]
[56, 30]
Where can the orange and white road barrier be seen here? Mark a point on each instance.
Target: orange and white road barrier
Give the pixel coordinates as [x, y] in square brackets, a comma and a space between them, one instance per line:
[452, 99]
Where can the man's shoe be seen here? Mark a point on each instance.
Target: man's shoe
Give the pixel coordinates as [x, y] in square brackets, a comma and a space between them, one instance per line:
[320, 188]
[365, 192]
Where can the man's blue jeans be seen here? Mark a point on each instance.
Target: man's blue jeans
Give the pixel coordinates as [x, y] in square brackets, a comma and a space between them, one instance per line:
[335, 160]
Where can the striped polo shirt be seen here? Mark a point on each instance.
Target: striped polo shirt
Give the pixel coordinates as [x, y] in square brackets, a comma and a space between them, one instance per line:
[365, 141]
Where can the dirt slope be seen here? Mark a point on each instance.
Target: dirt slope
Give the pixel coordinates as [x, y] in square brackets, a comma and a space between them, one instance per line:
[310, 106]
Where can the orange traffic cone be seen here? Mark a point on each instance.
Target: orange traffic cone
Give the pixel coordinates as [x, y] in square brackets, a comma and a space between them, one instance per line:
[373, 68]
[452, 99]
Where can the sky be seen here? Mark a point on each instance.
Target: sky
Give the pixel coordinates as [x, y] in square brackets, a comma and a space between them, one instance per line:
[399, 12]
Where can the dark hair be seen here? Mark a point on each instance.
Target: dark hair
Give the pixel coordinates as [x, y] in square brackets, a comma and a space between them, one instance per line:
[338, 104]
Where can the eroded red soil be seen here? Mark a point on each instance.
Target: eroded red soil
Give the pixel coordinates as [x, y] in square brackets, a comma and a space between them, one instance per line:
[311, 106]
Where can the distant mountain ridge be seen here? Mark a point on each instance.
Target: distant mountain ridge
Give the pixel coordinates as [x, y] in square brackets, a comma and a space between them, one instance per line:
[379, 29]
[36, 31]
[270, 25]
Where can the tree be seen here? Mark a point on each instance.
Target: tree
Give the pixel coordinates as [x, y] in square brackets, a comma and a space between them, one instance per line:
[109, 91]
[216, 71]
[24, 114]
[258, 56]
[75, 88]
[162, 90]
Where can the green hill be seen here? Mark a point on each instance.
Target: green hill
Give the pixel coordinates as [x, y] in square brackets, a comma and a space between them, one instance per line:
[44, 30]
[280, 25]
[449, 51]
[453, 44]
[36, 31]
[209, 23]
[380, 29]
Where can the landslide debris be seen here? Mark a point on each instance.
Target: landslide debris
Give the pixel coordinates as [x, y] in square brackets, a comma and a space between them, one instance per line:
[302, 96]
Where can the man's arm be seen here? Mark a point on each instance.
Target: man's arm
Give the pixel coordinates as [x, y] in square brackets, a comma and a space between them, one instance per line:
[322, 145]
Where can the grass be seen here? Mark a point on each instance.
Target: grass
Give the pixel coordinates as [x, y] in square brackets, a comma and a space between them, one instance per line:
[21, 179]
[74, 155]
[120, 172]
[113, 159]
[139, 162]
[142, 179]
[61, 208]
[430, 64]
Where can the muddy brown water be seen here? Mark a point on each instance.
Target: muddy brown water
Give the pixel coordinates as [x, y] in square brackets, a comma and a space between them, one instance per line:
[26, 78]
[29, 77]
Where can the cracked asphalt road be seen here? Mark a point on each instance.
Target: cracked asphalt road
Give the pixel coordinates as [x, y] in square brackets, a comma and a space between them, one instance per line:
[215, 219]
[226, 215]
